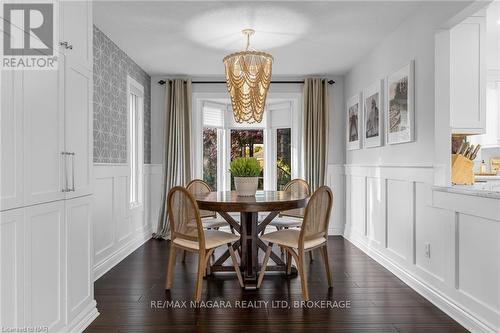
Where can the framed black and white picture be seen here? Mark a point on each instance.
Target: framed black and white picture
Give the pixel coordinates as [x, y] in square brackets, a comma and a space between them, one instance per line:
[373, 115]
[354, 121]
[400, 113]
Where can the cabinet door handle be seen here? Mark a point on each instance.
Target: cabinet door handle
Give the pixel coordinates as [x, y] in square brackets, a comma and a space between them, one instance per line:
[72, 172]
[66, 45]
[65, 162]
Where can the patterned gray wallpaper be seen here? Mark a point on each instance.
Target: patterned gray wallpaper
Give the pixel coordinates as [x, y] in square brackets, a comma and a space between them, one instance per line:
[111, 67]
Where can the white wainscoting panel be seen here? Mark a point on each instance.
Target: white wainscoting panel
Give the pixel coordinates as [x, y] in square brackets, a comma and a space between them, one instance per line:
[155, 192]
[356, 205]
[399, 218]
[335, 180]
[375, 210]
[118, 229]
[446, 249]
[435, 227]
[103, 213]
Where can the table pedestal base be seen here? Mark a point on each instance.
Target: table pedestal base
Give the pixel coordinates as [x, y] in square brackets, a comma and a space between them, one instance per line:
[249, 245]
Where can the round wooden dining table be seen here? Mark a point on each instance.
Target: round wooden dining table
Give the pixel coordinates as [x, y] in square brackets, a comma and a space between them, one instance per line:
[273, 202]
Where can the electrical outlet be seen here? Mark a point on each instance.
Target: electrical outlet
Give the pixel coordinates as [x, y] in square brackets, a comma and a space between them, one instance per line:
[427, 250]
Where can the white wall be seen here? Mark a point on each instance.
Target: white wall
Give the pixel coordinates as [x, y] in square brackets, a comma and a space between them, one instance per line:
[493, 36]
[390, 213]
[414, 39]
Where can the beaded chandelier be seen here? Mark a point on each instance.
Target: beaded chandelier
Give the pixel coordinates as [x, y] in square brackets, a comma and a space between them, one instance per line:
[248, 76]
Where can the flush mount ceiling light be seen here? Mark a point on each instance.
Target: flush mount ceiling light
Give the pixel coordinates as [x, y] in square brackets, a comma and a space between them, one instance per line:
[248, 76]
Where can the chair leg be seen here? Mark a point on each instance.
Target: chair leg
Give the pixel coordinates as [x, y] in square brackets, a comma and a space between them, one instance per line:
[235, 264]
[324, 253]
[288, 262]
[201, 271]
[299, 259]
[264, 264]
[184, 256]
[171, 265]
[208, 260]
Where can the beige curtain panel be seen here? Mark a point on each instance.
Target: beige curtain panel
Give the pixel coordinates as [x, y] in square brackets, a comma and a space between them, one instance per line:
[177, 145]
[315, 145]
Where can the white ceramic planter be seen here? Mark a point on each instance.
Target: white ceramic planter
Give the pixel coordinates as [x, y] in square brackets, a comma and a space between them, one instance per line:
[246, 186]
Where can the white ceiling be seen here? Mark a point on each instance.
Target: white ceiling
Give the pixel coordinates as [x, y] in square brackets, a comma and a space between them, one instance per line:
[305, 38]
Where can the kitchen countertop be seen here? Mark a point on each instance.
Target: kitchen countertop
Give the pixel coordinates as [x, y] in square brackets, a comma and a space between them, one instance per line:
[468, 190]
[487, 177]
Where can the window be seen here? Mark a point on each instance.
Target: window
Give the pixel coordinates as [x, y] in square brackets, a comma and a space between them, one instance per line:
[248, 143]
[283, 157]
[210, 157]
[135, 102]
[219, 140]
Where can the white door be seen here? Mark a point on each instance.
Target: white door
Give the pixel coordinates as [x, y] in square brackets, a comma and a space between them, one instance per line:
[12, 241]
[11, 140]
[45, 288]
[78, 129]
[43, 135]
[76, 30]
[79, 255]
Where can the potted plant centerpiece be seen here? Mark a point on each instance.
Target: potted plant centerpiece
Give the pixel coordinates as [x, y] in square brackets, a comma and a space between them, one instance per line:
[246, 171]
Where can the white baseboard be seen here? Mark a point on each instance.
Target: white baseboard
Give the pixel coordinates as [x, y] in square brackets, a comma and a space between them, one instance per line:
[336, 231]
[81, 322]
[105, 265]
[463, 317]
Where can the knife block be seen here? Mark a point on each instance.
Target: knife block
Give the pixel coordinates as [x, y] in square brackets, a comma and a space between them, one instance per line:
[462, 170]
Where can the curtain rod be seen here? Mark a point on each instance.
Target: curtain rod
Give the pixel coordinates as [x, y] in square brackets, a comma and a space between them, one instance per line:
[162, 82]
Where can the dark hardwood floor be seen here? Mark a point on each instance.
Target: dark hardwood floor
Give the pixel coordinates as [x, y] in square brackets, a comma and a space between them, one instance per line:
[379, 302]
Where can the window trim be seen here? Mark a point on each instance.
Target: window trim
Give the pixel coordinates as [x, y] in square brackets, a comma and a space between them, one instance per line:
[223, 179]
[133, 86]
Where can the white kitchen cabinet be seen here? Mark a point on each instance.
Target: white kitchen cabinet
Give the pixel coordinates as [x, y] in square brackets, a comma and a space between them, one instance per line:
[79, 129]
[47, 143]
[468, 76]
[76, 31]
[42, 98]
[45, 266]
[79, 256]
[46, 256]
[11, 141]
[492, 136]
[46, 248]
[12, 259]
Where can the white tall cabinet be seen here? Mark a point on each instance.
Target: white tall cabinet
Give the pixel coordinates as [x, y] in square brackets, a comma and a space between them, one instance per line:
[46, 183]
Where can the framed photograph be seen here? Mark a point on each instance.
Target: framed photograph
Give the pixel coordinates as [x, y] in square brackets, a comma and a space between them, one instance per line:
[373, 115]
[354, 121]
[400, 113]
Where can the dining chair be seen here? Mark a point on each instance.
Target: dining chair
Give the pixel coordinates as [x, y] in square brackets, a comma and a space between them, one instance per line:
[209, 218]
[313, 234]
[188, 235]
[292, 218]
